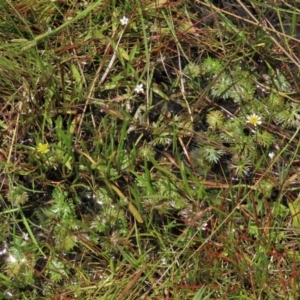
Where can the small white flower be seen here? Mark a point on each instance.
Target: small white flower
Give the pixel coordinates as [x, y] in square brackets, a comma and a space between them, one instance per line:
[25, 236]
[124, 21]
[11, 258]
[3, 251]
[271, 154]
[254, 119]
[139, 88]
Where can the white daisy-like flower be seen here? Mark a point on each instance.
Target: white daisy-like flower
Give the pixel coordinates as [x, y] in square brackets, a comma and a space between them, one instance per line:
[254, 119]
[124, 21]
[139, 88]
[271, 154]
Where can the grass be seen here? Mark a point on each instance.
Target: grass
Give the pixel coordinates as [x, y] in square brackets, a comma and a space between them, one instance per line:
[156, 159]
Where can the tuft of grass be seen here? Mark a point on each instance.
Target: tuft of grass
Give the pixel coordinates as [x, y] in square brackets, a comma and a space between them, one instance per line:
[156, 159]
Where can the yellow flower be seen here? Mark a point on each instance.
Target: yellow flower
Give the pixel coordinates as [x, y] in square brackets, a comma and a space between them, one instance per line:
[43, 148]
[254, 119]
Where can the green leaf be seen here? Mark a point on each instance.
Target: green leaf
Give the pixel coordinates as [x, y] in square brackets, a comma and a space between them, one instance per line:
[264, 138]
[68, 163]
[56, 270]
[135, 212]
[295, 212]
[69, 242]
[133, 52]
[281, 83]
[211, 66]
[17, 196]
[200, 295]
[12, 269]
[123, 53]
[192, 70]
[76, 75]
[222, 87]
[215, 119]
[3, 125]
[211, 154]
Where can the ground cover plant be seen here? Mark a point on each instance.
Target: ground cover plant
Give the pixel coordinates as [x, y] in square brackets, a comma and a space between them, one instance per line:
[149, 149]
